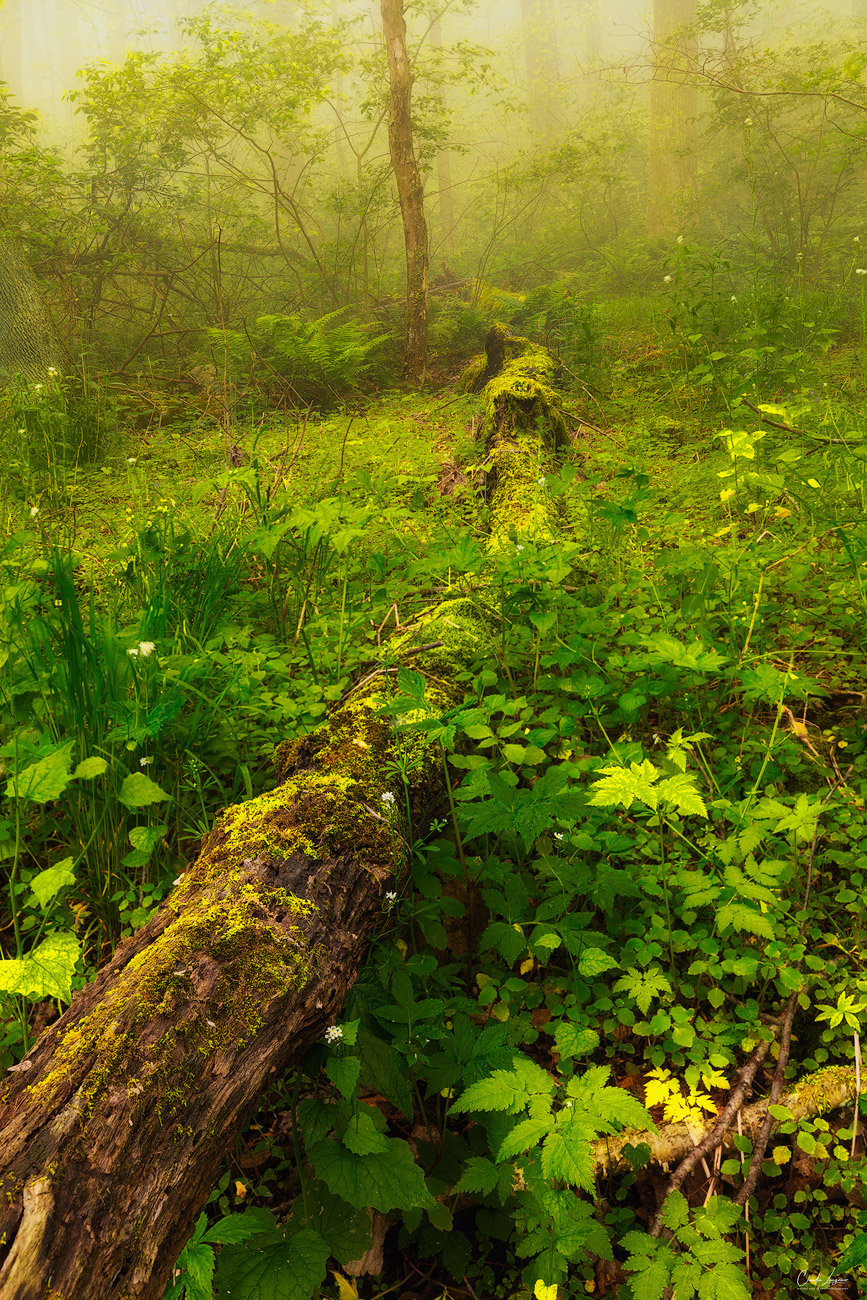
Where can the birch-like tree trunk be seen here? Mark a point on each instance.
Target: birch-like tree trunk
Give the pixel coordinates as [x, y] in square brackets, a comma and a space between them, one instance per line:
[29, 342]
[409, 186]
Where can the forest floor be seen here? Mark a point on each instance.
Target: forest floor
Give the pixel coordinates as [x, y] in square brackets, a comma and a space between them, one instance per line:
[683, 673]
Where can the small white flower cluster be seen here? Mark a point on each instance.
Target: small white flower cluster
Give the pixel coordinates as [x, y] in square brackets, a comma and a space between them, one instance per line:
[145, 762]
[680, 239]
[390, 898]
[144, 648]
[519, 548]
[734, 297]
[856, 239]
[666, 279]
[52, 371]
[748, 121]
[333, 1034]
[34, 511]
[131, 460]
[861, 270]
[558, 835]
[387, 799]
[541, 480]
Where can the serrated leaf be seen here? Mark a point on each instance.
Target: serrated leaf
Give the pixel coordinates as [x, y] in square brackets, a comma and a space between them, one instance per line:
[388, 1180]
[569, 1159]
[527, 1133]
[48, 883]
[575, 1040]
[650, 1281]
[46, 972]
[362, 1136]
[855, 1254]
[234, 1228]
[593, 961]
[382, 1069]
[138, 791]
[496, 1092]
[45, 780]
[479, 1175]
[274, 1267]
[89, 768]
[621, 786]
[681, 793]
[343, 1071]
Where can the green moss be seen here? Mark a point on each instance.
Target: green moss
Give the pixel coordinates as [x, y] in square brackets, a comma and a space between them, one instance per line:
[472, 375]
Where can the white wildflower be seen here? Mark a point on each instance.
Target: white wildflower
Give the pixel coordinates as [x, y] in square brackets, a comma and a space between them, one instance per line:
[734, 297]
[519, 548]
[52, 370]
[131, 460]
[666, 279]
[558, 835]
[333, 1034]
[146, 648]
[861, 270]
[856, 239]
[133, 653]
[38, 387]
[387, 798]
[748, 121]
[390, 898]
[541, 480]
[145, 762]
[34, 511]
[680, 239]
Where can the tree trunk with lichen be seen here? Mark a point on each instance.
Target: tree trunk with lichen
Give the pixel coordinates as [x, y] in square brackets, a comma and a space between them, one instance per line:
[114, 1126]
[29, 342]
[410, 189]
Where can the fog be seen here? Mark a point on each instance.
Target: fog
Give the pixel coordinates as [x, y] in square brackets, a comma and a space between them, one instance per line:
[190, 165]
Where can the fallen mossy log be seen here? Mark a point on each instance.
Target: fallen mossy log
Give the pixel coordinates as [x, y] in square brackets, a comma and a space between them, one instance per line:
[114, 1126]
[815, 1094]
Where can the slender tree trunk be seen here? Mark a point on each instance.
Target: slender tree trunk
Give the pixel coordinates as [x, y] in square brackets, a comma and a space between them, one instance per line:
[444, 164]
[409, 187]
[29, 342]
[673, 180]
[543, 65]
[10, 46]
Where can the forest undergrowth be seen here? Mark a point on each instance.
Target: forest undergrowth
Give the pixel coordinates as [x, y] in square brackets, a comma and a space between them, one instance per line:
[650, 866]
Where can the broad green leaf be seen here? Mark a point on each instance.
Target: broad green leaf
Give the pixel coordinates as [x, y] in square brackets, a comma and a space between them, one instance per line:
[387, 1180]
[275, 1266]
[139, 790]
[48, 883]
[382, 1068]
[46, 972]
[593, 961]
[650, 1280]
[575, 1040]
[343, 1071]
[361, 1134]
[89, 768]
[46, 780]
[855, 1254]
[146, 838]
[344, 1229]
[197, 1262]
[234, 1228]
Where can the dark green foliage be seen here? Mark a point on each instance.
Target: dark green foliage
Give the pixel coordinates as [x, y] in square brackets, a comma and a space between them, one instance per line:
[304, 363]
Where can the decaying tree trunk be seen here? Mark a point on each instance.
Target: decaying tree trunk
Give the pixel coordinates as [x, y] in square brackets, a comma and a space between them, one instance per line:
[409, 187]
[113, 1127]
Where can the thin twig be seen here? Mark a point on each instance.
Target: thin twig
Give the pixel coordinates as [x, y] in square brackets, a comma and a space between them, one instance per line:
[715, 1137]
[755, 1168]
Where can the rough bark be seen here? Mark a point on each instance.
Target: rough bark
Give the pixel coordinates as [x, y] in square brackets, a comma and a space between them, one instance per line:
[673, 179]
[409, 187]
[29, 342]
[113, 1127]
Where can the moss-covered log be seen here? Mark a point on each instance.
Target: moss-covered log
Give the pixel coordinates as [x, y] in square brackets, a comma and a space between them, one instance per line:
[114, 1126]
[815, 1094]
